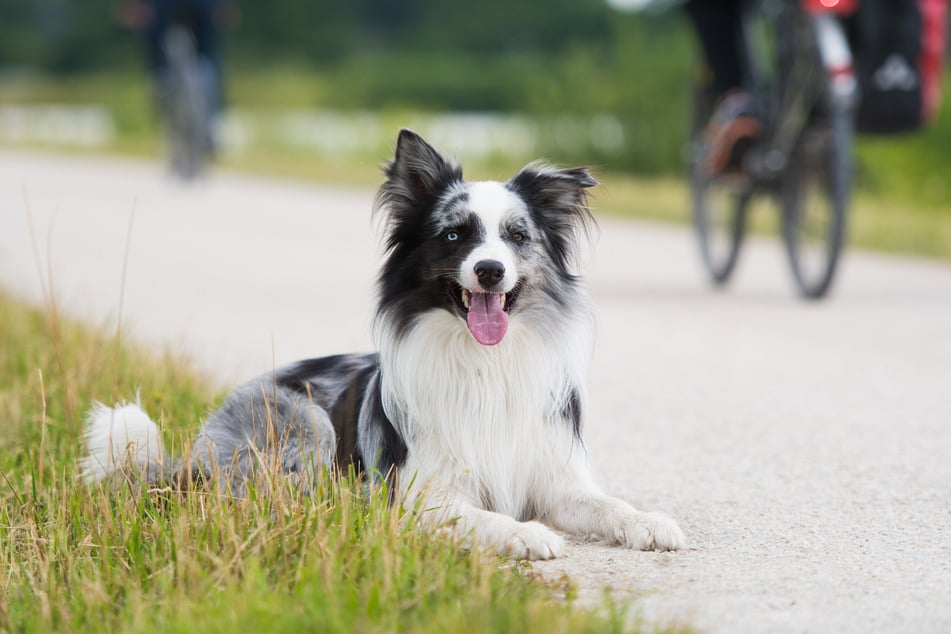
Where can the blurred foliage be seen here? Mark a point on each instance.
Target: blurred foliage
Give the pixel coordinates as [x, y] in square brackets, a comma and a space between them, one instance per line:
[537, 57]
[533, 56]
[72, 36]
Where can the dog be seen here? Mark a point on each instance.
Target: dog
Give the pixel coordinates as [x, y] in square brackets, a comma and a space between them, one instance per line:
[474, 406]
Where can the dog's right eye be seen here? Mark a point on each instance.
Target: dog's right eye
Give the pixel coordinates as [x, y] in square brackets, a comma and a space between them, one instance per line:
[451, 236]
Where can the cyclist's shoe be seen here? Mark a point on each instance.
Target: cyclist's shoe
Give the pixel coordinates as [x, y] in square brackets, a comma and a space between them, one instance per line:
[734, 127]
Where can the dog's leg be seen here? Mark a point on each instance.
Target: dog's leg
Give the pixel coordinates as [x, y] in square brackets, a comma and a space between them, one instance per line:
[476, 527]
[582, 509]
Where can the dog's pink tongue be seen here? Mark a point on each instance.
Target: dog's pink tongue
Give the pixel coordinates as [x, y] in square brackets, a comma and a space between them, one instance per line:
[487, 321]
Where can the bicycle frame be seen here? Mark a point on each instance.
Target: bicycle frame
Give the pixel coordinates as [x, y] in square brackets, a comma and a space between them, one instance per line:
[814, 45]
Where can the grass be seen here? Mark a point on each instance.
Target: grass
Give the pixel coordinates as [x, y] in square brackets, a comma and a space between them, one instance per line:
[77, 558]
[890, 224]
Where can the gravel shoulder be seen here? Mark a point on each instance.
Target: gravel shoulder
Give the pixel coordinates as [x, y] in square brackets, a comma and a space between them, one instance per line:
[804, 448]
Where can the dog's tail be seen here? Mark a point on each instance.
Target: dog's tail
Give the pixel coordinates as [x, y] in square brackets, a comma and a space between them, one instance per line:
[124, 440]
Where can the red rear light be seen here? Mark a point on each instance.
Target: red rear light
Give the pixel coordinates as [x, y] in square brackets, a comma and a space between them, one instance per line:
[839, 7]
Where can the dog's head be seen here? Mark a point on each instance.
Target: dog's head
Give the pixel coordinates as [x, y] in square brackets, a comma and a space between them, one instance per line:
[484, 251]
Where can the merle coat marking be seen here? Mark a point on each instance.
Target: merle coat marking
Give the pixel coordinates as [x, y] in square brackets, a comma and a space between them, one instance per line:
[475, 403]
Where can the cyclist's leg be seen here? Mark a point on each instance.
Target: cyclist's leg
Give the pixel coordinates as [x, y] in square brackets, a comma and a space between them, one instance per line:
[736, 122]
[718, 27]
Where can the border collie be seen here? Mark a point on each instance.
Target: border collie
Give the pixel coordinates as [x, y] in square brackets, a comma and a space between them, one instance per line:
[473, 408]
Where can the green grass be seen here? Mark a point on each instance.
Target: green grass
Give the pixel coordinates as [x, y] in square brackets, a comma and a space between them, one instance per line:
[76, 558]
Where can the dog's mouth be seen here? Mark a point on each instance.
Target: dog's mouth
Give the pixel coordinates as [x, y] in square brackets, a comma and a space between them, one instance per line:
[486, 313]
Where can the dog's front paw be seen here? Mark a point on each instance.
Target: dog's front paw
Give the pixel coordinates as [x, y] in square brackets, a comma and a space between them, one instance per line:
[532, 540]
[650, 531]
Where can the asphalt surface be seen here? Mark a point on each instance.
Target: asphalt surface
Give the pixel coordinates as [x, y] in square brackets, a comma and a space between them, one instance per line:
[804, 448]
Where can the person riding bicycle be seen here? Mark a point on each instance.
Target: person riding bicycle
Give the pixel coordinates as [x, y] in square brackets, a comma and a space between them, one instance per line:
[783, 122]
[899, 50]
[199, 18]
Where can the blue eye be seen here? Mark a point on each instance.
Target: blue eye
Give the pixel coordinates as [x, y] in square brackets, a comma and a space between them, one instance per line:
[452, 236]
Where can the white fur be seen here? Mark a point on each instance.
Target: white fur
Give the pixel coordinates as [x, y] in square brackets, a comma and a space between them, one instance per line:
[512, 453]
[493, 203]
[442, 411]
[117, 437]
[466, 451]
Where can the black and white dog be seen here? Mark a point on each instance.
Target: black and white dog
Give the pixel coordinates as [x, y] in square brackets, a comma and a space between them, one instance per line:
[476, 401]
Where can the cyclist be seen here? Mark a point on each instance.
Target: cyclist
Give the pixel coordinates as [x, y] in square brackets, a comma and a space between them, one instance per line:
[736, 123]
[201, 18]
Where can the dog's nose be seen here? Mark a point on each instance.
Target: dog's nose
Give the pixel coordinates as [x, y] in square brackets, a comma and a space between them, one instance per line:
[489, 273]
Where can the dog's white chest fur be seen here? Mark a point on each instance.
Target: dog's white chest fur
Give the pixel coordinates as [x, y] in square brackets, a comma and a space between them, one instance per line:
[478, 419]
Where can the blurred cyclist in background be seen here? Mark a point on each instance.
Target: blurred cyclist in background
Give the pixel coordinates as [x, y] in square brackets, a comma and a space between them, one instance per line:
[201, 18]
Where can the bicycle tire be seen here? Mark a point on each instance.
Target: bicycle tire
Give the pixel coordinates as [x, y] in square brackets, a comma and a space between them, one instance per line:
[178, 129]
[719, 206]
[197, 120]
[186, 110]
[816, 191]
[720, 215]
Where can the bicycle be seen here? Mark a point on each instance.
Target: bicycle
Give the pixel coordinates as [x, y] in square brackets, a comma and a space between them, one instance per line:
[803, 80]
[187, 94]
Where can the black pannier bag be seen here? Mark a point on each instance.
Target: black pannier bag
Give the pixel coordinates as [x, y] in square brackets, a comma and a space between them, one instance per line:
[899, 50]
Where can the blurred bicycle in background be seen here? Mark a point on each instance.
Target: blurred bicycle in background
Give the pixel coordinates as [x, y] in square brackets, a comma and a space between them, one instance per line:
[815, 72]
[805, 90]
[181, 44]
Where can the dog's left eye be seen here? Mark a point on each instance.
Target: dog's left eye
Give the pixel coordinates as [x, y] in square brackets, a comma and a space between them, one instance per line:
[517, 236]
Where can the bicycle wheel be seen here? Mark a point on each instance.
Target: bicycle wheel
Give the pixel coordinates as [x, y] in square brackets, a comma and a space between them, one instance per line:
[186, 106]
[720, 202]
[719, 212]
[816, 189]
[178, 128]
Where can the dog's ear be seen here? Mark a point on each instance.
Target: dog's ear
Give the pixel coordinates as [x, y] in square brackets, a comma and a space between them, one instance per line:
[558, 198]
[558, 190]
[418, 173]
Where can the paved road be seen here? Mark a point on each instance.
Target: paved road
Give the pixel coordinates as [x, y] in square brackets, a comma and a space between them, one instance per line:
[806, 449]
